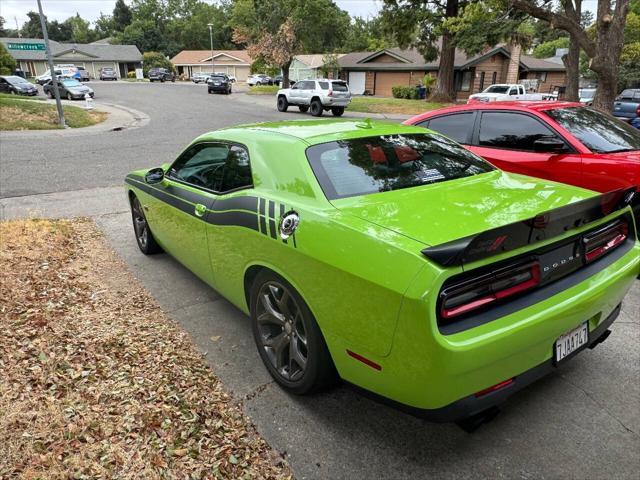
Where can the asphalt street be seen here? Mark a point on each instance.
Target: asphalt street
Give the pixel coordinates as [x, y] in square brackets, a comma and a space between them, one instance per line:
[581, 422]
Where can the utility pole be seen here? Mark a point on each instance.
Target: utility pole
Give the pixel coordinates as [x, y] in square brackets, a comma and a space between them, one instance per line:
[17, 27]
[54, 77]
[213, 67]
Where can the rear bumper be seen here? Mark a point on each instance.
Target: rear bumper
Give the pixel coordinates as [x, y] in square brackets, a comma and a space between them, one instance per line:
[218, 88]
[471, 405]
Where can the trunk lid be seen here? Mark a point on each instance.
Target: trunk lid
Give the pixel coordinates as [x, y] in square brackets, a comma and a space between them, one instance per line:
[442, 212]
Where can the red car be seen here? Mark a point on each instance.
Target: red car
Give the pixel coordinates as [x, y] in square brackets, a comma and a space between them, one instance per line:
[561, 141]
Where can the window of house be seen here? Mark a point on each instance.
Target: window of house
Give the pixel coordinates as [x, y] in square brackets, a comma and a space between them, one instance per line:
[494, 76]
[513, 131]
[542, 76]
[457, 127]
[463, 83]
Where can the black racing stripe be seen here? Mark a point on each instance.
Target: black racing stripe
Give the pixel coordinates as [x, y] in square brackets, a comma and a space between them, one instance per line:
[178, 203]
[236, 219]
[284, 240]
[187, 195]
[263, 225]
[262, 207]
[272, 209]
[272, 225]
[236, 203]
[133, 176]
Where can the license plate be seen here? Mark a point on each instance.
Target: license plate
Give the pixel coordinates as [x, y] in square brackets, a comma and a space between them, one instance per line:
[216, 83]
[571, 342]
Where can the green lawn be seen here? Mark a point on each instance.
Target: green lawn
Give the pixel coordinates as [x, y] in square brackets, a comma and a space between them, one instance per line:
[391, 105]
[16, 113]
[16, 97]
[263, 90]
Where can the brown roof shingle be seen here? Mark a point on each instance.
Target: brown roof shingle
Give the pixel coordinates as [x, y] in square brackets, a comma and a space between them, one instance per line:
[195, 57]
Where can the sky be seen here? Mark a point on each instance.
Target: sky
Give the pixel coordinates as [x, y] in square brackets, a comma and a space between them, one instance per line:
[90, 9]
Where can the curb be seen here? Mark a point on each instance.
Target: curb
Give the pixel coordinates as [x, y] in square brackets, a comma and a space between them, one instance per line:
[120, 118]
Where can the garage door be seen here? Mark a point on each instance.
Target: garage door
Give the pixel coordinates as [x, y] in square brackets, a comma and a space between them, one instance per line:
[386, 80]
[357, 82]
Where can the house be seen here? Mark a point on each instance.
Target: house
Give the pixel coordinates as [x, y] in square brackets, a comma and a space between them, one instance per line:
[91, 56]
[232, 62]
[377, 72]
[306, 67]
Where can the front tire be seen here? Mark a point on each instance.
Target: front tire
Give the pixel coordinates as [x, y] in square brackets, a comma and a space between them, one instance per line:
[337, 111]
[288, 338]
[69, 97]
[316, 108]
[146, 243]
[283, 104]
[209, 90]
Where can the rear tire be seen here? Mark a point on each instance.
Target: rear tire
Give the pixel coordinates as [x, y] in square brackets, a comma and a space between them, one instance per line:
[283, 104]
[146, 243]
[304, 108]
[316, 108]
[287, 336]
[337, 111]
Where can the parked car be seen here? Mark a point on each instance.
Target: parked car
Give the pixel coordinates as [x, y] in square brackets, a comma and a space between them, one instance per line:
[259, 79]
[344, 243]
[69, 88]
[82, 74]
[561, 141]
[219, 83]
[587, 95]
[505, 92]
[61, 71]
[627, 104]
[317, 96]
[107, 73]
[200, 77]
[161, 75]
[17, 85]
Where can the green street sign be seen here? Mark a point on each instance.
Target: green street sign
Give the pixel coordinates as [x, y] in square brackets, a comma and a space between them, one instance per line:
[26, 46]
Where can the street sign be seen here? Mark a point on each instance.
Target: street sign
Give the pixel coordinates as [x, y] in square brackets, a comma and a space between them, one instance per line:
[26, 46]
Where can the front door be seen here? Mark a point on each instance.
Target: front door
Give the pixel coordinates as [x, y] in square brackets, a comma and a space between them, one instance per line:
[506, 139]
[179, 219]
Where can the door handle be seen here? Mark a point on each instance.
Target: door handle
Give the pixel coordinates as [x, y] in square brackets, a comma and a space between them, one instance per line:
[200, 210]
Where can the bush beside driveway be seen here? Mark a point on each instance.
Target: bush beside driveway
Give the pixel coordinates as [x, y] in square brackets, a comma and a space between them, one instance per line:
[96, 381]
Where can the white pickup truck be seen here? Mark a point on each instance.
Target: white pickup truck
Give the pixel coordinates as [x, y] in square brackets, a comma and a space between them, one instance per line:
[507, 92]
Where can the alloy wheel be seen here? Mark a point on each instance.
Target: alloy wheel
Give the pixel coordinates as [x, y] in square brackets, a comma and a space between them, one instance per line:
[281, 331]
[140, 224]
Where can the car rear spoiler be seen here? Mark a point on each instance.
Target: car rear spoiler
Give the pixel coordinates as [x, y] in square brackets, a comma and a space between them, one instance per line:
[532, 230]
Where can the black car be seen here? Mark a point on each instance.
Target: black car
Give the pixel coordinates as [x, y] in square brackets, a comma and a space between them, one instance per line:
[161, 75]
[107, 73]
[219, 83]
[17, 85]
[69, 88]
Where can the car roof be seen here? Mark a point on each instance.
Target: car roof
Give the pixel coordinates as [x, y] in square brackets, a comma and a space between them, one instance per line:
[320, 131]
[523, 106]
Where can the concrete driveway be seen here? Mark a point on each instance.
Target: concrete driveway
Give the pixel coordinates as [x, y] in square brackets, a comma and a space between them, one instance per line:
[581, 422]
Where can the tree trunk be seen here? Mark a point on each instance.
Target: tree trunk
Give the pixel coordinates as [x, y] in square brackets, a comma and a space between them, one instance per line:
[572, 59]
[285, 74]
[445, 89]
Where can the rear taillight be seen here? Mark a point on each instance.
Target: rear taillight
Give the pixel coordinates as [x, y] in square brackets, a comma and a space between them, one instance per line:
[638, 111]
[601, 242]
[473, 294]
[330, 93]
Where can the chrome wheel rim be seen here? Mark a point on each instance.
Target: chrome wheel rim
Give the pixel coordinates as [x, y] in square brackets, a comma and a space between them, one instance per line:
[140, 224]
[282, 334]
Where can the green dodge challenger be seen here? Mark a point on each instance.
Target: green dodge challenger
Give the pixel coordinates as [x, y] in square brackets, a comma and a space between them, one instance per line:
[391, 257]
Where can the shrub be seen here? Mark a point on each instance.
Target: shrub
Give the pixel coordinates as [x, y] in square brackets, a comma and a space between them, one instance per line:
[401, 91]
[7, 62]
[131, 74]
[156, 59]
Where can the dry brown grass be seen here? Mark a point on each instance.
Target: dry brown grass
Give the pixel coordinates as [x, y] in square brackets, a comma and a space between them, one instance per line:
[22, 114]
[96, 381]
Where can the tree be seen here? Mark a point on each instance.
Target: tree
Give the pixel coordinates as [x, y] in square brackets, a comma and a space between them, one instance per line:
[548, 49]
[155, 60]
[422, 24]
[7, 62]
[604, 51]
[191, 31]
[3, 32]
[330, 65]
[80, 30]
[122, 16]
[366, 35]
[31, 28]
[104, 26]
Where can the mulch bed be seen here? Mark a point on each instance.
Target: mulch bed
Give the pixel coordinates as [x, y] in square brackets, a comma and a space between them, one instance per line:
[96, 382]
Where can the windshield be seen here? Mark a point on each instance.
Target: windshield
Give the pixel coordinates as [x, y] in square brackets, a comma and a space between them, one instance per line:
[218, 78]
[598, 132]
[71, 83]
[14, 80]
[347, 168]
[587, 93]
[497, 89]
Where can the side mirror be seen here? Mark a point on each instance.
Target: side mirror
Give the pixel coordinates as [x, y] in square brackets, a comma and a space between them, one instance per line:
[155, 175]
[549, 145]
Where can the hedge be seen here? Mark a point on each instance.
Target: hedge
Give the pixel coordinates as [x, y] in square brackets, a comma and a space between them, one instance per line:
[400, 91]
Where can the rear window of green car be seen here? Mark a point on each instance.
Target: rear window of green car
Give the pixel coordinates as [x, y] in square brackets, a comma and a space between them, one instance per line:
[348, 168]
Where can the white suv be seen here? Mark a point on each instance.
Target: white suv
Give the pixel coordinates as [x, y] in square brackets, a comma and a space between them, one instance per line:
[316, 95]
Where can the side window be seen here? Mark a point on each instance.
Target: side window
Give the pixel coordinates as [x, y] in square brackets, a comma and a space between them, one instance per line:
[513, 91]
[457, 127]
[324, 85]
[202, 165]
[237, 170]
[511, 131]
